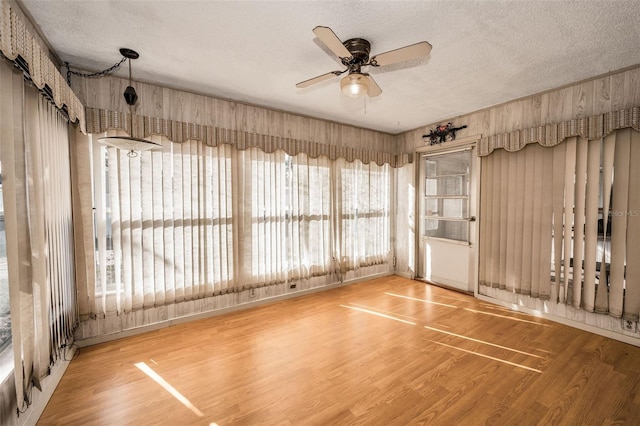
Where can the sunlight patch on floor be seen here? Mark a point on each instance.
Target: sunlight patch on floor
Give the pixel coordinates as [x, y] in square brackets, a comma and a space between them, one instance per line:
[385, 312]
[377, 314]
[421, 300]
[506, 317]
[483, 342]
[162, 382]
[487, 356]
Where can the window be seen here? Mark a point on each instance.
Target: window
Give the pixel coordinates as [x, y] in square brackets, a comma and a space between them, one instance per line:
[193, 221]
[5, 314]
[288, 201]
[309, 208]
[162, 220]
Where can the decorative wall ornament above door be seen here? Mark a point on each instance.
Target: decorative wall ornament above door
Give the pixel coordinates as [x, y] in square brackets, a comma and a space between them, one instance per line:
[442, 133]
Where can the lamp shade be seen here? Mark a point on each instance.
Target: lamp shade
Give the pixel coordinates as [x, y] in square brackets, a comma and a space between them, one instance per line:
[129, 144]
[354, 85]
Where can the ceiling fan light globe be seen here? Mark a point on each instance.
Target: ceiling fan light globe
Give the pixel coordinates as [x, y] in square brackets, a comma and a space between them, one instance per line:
[354, 85]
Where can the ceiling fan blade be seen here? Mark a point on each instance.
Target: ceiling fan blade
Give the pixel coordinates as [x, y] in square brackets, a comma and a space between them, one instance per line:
[402, 54]
[331, 40]
[374, 89]
[318, 79]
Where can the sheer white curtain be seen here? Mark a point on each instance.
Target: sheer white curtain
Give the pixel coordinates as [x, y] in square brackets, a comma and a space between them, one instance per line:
[34, 152]
[311, 248]
[563, 222]
[362, 213]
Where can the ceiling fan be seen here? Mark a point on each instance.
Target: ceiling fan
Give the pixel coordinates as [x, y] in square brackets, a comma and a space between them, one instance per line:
[354, 54]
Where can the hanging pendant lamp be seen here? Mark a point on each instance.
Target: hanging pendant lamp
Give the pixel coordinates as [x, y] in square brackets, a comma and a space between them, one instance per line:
[130, 143]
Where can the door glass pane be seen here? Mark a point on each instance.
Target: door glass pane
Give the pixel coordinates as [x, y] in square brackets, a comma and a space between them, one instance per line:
[447, 229]
[446, 196]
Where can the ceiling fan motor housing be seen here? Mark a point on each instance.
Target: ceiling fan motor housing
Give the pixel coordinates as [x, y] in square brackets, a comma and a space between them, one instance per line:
[359, 49]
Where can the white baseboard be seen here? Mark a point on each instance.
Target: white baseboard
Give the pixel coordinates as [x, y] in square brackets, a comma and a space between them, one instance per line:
[563, 320]
[404, 275]
[180, 320]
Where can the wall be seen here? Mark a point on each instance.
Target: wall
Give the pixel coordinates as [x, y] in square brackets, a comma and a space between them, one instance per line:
[162, 102]
[596, 96]
[155, 101]
[611, 92]
[599, 95]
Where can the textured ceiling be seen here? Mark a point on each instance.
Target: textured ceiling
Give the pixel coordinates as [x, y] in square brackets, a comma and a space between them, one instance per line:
[484, 53]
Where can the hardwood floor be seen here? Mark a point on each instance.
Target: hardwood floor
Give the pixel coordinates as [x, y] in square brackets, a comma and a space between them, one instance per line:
[390, 351]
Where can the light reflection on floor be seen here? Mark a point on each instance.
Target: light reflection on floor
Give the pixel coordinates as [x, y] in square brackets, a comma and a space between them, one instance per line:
[467, 309]
[421, 300]
[506, 317]
[394, 316]
[483, 342]
[383, 311]
[162, 382]
[368, 311]
[487, 356]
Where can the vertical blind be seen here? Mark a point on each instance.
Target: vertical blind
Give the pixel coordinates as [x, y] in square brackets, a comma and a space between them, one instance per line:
[563, 223]
[194, 221]
[364, 214]
[34, 150]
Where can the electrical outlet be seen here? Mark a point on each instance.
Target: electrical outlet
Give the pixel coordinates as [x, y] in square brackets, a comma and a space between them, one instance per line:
[629, 325]
[252, 292]
[292, 285]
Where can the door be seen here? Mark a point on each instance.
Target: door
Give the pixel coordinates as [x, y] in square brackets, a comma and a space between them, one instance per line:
[448, 234]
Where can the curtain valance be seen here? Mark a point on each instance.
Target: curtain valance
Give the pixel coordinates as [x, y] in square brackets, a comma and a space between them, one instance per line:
[16, 40]
[590, 128]
[100, 121]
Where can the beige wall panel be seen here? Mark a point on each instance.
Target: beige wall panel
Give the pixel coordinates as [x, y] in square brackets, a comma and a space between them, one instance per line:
[583, 95]
[241, 118]
[171, 104]
[226, 114]
[260, 120]
[276, 122]
[500, 118]
[317, 131]
[614, 92]
[602, 95]
[515, 118]
[632, 87]
[557, 106]
[293, 126]
[113, 94]
[531, 113]
[79, 87]
[182, 106]
[334, 133]
[610, 93]
[348, 134]
[150, 100]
